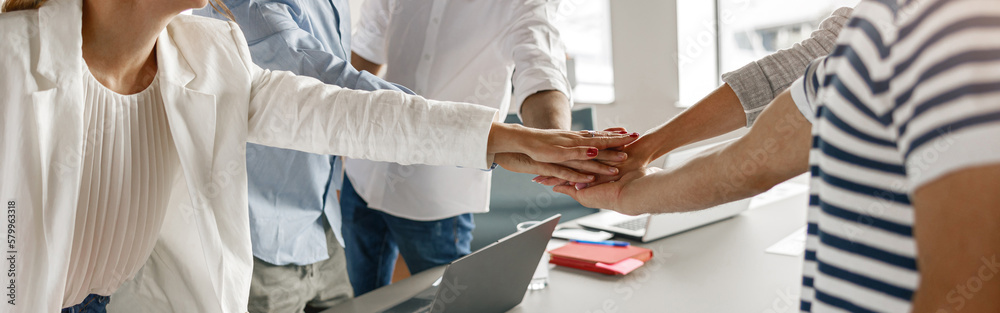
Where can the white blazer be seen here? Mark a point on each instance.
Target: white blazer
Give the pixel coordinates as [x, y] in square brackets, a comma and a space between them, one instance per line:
[216, 100]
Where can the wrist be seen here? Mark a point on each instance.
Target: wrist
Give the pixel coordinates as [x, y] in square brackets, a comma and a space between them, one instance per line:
[643, 150]
[660, 142]
[504, 138]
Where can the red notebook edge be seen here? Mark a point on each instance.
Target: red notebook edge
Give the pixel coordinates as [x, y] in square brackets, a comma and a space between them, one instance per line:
[621, 266]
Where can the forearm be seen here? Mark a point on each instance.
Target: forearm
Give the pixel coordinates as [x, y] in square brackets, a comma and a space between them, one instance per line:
[768, 155]
[549, 109]
[716, 114]
[301, 113]
[363, 64]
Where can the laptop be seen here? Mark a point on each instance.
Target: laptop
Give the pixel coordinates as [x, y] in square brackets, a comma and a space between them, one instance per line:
[646, 227]
[492, 279]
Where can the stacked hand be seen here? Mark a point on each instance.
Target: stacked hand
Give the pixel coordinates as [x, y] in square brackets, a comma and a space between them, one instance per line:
[569, 156]
[618, 195]
[630, 158]
[609, 189]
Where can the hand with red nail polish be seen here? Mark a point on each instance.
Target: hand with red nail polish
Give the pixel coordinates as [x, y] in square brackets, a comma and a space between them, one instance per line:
[614, 162]
[555, 146]
[522, 163]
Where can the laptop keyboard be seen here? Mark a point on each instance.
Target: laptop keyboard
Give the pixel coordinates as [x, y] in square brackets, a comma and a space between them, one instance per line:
[633, 224]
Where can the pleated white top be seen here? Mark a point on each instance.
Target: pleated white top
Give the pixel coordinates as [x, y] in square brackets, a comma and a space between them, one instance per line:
[129, 165]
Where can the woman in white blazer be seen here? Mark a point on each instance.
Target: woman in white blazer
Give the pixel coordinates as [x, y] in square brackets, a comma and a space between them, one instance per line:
[214, 100]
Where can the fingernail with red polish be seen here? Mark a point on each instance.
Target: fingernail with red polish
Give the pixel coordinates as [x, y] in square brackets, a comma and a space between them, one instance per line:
[592, 152]
[623, 132]
[634, 135]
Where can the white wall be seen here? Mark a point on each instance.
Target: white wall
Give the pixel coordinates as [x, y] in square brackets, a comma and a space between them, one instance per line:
[644, 36]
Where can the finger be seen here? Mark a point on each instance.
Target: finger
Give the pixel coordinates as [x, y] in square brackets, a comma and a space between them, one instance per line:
[566, 190]
[603, 133]
[552, 181]
[591, 167]
[603, 179]
[611, 156]
[549, 180]
[617, 130]
[564, 173]
[559, 154]
[612, 133]
[606, 140]
[577, 153]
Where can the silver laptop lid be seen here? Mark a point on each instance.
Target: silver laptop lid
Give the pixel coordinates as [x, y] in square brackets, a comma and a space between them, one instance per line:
[494, 278]
[662, 225]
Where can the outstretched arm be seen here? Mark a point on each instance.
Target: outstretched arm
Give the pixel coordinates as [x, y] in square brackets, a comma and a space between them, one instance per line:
[551, 110]
[776, 150]
[737, 103]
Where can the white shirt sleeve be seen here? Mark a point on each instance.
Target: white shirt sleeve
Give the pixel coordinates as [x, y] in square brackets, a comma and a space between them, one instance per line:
[302, 113]
[368, 40]
[800, 99]
[804, 89]
[538, 52]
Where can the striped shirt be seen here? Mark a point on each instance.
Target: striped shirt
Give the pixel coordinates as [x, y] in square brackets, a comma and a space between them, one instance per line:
[910, 93]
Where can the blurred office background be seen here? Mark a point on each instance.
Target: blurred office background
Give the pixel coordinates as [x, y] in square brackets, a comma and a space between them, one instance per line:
[637, 63]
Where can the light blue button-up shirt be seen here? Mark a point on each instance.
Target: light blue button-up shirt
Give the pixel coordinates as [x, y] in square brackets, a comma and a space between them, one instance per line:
[290, 192]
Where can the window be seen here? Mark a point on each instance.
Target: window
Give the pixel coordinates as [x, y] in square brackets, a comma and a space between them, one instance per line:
[746, 30]
[697, 50]
[585, 28]
[750, 30]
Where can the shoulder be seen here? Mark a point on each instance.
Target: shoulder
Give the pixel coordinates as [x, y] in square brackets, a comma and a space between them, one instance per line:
[19, 44]
[17, 29]
[192, 26]
[210, 46]
[23, 18]
[203, 37]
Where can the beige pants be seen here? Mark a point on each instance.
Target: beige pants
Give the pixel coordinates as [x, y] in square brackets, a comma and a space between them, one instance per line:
[292, 288]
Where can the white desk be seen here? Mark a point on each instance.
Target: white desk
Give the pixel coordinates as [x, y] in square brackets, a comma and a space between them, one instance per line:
[720, 267]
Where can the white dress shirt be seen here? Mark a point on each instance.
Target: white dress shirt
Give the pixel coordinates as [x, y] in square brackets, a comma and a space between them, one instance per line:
[459, 51]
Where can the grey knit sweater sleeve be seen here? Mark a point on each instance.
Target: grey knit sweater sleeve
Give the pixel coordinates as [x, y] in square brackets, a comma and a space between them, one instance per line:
[758, 83]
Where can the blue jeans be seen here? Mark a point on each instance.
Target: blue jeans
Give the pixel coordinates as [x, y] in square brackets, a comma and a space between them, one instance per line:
[373, 239]
[90, 304]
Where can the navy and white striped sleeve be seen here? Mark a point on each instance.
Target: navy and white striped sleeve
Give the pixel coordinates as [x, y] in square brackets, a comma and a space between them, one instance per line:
[948, 114]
